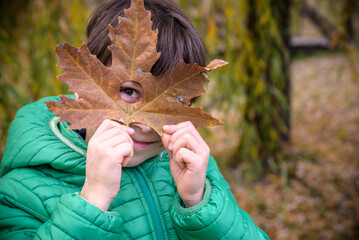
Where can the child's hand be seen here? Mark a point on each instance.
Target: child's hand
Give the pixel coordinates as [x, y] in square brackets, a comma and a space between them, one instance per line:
[109, 149]
[188, 160]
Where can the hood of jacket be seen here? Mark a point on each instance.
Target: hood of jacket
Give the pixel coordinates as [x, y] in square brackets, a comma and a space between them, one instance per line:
[35, 138]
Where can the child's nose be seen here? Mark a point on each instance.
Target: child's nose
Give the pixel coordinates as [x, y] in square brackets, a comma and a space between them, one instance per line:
[144, 128]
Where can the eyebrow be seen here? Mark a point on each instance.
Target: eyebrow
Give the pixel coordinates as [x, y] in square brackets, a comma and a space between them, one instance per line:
[138, 84]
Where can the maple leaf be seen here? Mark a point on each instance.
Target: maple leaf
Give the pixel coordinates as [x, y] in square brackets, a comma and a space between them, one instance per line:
[133, 55]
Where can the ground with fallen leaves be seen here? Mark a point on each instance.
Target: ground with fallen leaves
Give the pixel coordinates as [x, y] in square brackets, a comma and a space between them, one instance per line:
[319, 197]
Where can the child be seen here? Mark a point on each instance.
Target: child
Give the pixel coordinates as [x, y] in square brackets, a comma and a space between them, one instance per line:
[118, 182]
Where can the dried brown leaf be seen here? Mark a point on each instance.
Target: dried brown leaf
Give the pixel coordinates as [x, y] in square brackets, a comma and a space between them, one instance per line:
[134, 53]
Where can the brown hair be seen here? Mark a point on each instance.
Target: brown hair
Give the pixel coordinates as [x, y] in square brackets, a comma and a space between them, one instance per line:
[177, 37]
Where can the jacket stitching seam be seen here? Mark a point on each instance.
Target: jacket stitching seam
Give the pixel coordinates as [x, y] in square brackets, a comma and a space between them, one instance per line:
[79, 162]
[15, 145]
[150, 233]
[66, 152]
[144, 214]
[32, 158]
[54, 196]
[86, 219]
[124, 203]
[61, 229]
[22, 179]
[17, 153]
[11, 235]
[230, 227]
[49, 185]
[62, 154]
[25, 208]
[20, 216]
[45, 217]
[245, 224]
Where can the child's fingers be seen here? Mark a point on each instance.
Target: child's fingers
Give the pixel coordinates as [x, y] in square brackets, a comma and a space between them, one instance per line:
[186, 141]
[183, 157]
[125, 161]
[121, 128]
[117, 140]
[169, 129]
[105, 125]
[108, 124]
[112, 133]
[165, 139]
[188, 129]
[123, 151]
[129, 130]
[179, 162]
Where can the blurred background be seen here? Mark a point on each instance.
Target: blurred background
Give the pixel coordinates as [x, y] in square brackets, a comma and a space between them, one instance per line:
[289, 99]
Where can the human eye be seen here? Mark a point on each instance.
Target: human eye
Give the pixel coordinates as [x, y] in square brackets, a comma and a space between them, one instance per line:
[130, 95]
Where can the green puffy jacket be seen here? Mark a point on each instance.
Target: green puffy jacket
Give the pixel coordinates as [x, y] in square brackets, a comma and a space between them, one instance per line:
[43, 169]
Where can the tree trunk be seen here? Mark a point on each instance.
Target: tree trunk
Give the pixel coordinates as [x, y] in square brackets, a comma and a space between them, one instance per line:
[267, 112]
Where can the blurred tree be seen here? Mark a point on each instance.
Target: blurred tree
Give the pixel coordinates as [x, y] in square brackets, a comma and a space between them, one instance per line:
[268, 112]
[337, 23]
[349, 15]
[29, 33]
[349, 33]
[350, 7]
[253, 35]
[326, 27]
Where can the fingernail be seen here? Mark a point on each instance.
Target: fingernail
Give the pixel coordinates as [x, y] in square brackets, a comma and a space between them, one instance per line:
[131, 130]
[170, 146]
[166, 127]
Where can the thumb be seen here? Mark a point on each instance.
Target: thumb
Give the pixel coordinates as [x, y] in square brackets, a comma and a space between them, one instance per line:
[168, 130]
[165, 139]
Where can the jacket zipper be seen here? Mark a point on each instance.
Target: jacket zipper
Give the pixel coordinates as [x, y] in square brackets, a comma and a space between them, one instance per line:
[156, 219]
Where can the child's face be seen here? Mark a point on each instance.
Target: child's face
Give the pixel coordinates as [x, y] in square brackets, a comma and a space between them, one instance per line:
[146, 142]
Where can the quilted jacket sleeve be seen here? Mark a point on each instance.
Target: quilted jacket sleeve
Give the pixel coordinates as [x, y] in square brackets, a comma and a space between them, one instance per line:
[217, 216]
[24, 216]
[74, 218]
